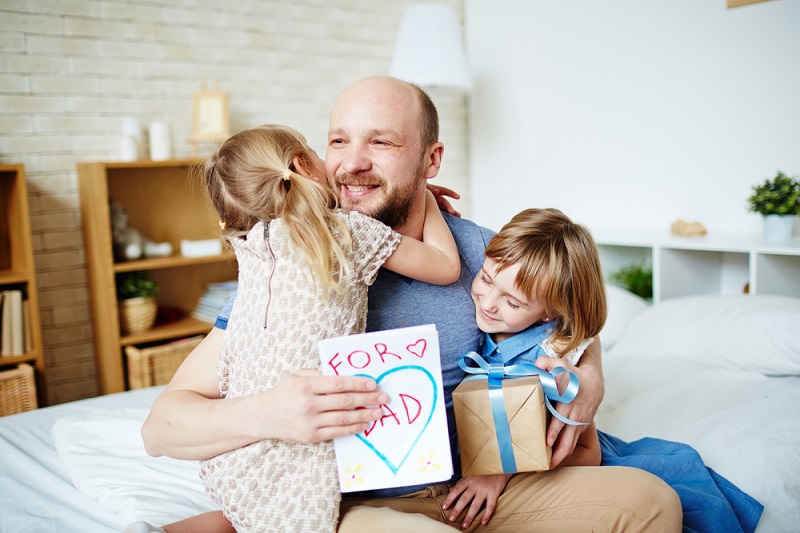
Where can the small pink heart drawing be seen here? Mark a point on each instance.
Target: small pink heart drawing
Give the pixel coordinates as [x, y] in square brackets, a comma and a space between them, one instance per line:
[394, 437]
[418, 348]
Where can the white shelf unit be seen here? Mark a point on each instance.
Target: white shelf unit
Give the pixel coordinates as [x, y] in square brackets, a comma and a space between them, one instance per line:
[714, 264]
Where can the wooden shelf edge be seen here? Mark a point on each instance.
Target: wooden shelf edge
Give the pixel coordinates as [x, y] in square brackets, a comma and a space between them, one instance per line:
[145, 163]
[29, 357]
[174, 330]
[171, 261]
[9, 277]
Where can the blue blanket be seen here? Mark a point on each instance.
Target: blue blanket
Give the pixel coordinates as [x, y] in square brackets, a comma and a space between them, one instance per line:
[710, 502]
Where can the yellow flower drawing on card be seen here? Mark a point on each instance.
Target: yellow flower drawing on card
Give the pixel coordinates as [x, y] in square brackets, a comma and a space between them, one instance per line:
[424, 463]
[352, 475]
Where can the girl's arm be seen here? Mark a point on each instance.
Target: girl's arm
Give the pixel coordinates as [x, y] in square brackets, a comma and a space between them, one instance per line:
[587, 451]
[434, 259]
[441, 194]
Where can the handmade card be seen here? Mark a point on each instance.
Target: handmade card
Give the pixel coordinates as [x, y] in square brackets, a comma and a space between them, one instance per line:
[409, 445]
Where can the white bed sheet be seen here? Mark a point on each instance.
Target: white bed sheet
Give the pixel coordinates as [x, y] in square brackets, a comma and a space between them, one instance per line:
[745, 426]
[722, 374]
[704, 387]
[36, 492]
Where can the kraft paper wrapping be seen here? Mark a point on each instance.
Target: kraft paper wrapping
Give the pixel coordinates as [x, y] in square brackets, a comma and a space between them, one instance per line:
[527, 417]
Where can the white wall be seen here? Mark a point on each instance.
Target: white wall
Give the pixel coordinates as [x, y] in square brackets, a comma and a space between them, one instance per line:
[71, 69]
[629, 113]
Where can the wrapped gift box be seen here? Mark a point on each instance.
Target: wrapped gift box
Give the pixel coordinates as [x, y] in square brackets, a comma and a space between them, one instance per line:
[527, 417]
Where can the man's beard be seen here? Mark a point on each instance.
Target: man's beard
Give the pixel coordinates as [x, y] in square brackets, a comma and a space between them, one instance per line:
[395, 211]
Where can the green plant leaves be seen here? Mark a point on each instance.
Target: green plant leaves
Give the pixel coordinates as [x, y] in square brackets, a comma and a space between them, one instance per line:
[637, 279]
[778, 196]
[135, 285]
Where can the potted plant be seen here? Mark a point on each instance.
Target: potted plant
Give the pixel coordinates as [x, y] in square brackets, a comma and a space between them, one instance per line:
[137, 304]
[778, 200]
[636, 278]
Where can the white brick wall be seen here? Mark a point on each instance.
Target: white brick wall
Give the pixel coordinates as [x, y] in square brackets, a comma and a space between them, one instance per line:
[69, 70]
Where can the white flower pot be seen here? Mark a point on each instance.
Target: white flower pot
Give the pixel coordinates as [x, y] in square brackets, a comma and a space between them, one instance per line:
[778, 228]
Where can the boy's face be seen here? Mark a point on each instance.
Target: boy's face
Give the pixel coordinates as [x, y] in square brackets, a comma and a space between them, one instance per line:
[500, 308]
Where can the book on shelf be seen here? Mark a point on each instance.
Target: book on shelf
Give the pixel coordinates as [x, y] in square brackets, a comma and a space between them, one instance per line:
[5, 324]
[27, 344]
[213, 300]
[12, 328]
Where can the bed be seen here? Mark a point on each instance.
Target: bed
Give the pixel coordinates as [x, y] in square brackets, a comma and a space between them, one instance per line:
[719, 373]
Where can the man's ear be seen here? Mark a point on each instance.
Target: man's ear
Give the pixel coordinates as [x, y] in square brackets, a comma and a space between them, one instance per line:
[433, 160]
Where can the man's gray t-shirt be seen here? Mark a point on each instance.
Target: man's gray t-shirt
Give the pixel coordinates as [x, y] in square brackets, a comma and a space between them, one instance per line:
[396, 301]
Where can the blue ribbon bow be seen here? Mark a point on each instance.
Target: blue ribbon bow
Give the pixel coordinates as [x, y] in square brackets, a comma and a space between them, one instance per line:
[495, 373]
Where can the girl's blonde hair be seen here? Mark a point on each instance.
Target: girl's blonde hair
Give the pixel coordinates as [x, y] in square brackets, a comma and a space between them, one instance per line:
[559, 266]
[247, 181]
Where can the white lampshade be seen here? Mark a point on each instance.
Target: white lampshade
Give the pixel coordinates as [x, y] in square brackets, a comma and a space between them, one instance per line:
[429, 50]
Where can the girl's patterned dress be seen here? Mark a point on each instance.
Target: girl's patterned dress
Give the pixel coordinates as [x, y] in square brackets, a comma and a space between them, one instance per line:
[279, 314]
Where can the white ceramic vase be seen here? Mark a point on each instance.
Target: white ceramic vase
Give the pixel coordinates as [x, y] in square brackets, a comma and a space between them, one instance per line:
[778, 228]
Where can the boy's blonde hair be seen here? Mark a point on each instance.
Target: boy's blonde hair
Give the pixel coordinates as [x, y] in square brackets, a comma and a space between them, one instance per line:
[560, 267]
[247, 181]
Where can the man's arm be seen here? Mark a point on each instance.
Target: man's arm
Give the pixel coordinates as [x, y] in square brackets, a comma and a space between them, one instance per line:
[190, 421]
[582, 408]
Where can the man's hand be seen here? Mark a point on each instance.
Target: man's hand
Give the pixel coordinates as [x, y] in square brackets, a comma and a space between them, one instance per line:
[190, 421]
[311, 408]
[477, 490]
[441, 194]
[581, 409]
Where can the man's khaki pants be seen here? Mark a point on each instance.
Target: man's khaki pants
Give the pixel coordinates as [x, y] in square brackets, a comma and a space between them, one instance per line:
[570, 499]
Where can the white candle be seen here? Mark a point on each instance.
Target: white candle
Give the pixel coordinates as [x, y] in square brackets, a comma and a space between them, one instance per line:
[128, 148]
[131, 127]
[160, 147]
[130, 145]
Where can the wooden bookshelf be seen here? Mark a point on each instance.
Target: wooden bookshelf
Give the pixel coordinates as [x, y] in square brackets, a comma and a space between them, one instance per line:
[165, 204]
[17, 269]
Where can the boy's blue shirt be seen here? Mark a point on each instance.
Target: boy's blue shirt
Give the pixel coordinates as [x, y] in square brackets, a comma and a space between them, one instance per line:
[522, 347]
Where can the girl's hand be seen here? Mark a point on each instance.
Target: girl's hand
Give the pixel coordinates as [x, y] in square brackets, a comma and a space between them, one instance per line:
[441, 194]
[478, 490]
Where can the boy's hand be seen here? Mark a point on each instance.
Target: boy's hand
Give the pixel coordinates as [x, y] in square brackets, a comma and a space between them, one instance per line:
[563, 438]
[478, 490]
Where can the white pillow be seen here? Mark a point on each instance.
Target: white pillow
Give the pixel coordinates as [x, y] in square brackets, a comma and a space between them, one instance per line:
[756, 333]
[106, 460]
[622, 307]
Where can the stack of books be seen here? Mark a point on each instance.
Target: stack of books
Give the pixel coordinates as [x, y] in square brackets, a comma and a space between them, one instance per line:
[15, 331]
[213, 300]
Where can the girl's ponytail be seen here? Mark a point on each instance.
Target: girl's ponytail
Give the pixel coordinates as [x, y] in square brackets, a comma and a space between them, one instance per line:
[252, 178]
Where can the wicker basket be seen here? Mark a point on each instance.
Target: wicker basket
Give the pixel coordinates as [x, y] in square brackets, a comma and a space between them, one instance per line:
[137, 315]
[156, 365]
[17, 390]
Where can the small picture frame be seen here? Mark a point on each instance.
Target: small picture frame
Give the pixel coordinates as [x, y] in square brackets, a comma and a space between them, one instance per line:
[210, 118]
[739, 3]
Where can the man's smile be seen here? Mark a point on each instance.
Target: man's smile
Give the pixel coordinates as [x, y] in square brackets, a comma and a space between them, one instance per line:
[358, 186]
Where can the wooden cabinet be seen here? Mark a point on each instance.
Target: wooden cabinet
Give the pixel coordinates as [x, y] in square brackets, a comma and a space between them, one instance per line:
[166, 204]
[17, 269]
[714, 264]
